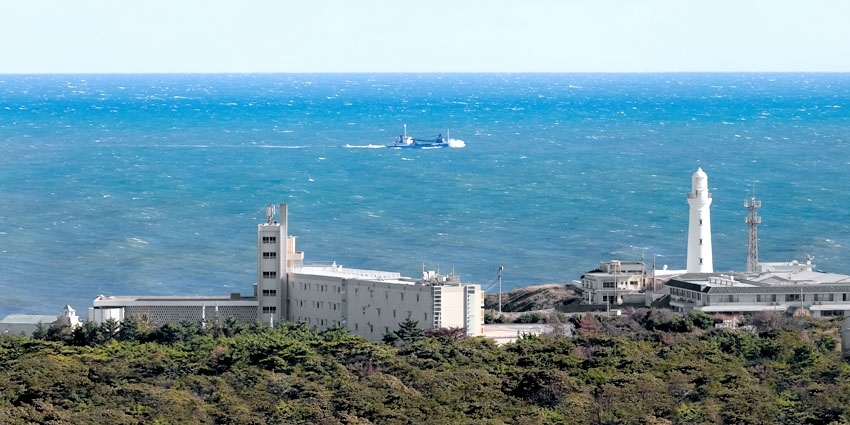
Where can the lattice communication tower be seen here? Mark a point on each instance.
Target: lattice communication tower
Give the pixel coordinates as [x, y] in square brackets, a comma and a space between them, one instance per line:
[753, 220]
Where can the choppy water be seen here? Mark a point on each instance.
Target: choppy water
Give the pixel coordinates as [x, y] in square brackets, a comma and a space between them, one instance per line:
[154, 184]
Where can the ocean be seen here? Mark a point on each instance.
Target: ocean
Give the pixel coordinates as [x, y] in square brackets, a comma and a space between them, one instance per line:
[154, 184]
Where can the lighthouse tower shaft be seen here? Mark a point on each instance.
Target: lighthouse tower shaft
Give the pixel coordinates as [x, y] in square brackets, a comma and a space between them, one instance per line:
[700, 259]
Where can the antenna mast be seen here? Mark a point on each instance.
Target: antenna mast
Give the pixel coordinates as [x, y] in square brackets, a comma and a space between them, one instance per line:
[270, 213]
[753, 220]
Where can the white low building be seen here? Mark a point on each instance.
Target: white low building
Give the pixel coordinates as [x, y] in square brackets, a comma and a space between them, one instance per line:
[366, 302]
[621, 282]
[613, 281]
[815, 293]
[27, 324]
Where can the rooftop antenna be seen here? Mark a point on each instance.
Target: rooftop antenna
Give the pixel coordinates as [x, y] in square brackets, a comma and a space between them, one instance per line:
[270, 213]
[753, 220]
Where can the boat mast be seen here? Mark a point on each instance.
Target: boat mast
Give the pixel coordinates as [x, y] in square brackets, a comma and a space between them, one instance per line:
[405, 132]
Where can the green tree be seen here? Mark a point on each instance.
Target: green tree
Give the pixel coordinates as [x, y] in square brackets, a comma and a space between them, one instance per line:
[40, 331]
[701, 319]
[136, 328]
[109, 329]
[408, 331]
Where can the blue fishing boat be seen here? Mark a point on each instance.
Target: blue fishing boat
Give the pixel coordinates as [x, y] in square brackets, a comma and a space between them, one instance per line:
[409, 142]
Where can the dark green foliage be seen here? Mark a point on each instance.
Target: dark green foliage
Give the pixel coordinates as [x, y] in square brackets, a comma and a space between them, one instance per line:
[701, 319]
[644, 367]
[531, 318]
[408, 331]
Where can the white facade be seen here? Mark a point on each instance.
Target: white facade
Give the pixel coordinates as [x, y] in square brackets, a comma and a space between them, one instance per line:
[700, 258]
[27, 324]
[369, 303]
[788, 266]
[818, 294]
[613, 281]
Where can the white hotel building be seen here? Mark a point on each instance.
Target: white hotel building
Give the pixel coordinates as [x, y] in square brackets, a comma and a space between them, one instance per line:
[369, 303]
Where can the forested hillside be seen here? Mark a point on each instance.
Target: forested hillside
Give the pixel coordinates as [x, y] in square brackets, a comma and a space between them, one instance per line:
[645, 367]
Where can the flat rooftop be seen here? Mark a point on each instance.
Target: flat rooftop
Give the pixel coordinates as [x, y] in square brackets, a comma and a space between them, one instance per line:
[121, 300]
[335, 270]
[31, 319]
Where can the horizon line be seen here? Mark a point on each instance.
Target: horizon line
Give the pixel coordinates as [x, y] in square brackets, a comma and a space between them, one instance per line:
[413, 72]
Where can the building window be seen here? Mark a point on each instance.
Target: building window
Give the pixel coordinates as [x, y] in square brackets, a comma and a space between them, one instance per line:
[269, 310]
[700, 222]
[269, 239]
[607, 285]
[417, 297]
[700, 241]
[700, 260]
[269, 275]
[393, 314]
[402, 296]
[379, 311]
[269, 292]
[269, 255]
[792, 297]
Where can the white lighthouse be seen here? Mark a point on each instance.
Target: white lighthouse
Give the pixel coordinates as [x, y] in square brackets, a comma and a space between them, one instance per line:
[699, 227]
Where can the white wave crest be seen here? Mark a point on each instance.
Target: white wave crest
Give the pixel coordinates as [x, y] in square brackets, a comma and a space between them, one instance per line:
[365, 146]
[456, 143]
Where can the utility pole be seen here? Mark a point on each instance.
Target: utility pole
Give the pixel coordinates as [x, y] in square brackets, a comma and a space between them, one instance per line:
[654, 287]
[500, 290]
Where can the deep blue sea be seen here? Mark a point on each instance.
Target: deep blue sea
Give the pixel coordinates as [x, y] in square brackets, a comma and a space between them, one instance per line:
[154, 184]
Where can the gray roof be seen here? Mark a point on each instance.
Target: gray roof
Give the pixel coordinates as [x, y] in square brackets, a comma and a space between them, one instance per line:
[756, 288]
[28, 319]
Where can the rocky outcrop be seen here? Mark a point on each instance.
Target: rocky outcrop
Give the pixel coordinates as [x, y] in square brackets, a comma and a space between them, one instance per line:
[532, 298]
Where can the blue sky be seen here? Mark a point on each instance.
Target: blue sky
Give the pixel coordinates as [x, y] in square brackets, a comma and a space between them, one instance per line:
[91, 36]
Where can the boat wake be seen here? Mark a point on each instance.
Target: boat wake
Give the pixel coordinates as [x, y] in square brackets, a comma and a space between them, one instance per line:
[365, 146]
[456, 143]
